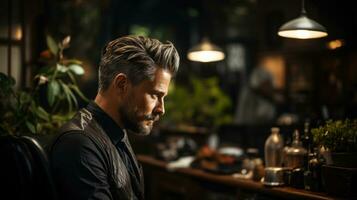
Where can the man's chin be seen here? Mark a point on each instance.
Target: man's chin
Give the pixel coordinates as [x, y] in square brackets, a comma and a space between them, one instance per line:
[143, 129]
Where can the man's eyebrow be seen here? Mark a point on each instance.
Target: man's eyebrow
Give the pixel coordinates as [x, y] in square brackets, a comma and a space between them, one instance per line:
[159, 92]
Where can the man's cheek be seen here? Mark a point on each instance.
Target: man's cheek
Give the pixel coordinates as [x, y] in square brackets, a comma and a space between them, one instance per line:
[147, 106]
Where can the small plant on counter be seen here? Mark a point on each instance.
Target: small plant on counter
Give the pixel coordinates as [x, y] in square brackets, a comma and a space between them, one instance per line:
[337, 136]
[51, 100]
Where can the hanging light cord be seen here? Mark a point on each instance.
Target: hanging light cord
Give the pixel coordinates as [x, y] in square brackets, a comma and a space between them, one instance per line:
[303, 11]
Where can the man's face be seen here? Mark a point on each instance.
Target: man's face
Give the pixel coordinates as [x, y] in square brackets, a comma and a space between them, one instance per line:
[144, 103]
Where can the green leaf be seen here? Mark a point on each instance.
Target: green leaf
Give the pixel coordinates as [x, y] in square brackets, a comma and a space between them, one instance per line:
[63, 117]
[41, 79]
[5, 79]
[52, 91]
[52, 45]
[79, 92]
[42, 113]
[61, 68]
[31, 127]
[6, 85]
[39, 127]
[73, 61]
[71, 76]
[77, 69]
[24, 98]
[67, 91]
[73, 97]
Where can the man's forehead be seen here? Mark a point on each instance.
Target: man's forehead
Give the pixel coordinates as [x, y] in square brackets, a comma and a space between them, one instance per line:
[160, 81]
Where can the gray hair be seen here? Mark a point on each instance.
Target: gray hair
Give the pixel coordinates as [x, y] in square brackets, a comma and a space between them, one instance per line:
[138, 57]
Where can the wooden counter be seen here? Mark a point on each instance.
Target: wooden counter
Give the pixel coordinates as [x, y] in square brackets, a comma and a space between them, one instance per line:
[229, 181]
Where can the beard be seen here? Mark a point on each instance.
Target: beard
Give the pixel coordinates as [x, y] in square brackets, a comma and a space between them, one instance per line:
[136, 122]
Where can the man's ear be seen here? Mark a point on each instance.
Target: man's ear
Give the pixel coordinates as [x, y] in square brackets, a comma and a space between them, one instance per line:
[120, 83]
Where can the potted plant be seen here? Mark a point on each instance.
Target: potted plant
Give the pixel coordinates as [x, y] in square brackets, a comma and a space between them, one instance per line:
[340, 139]
[49, 102]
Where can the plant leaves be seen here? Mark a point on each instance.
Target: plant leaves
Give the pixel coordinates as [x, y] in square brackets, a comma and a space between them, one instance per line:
[61, 68]
[52, 45]
[31, 127]
[7, 79]
[39, 127]
[71, 76]
[73, 98]
[77, 69]
[41, 113]
[24, 112]
[42, 79]
[24, 98]
[72, 61]
[52, 91]
[65, 42]
[67, 91]
[63, 117]
[6, 84]
[79, 92]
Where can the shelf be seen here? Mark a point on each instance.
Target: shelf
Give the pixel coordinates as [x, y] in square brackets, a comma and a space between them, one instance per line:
[228, 180]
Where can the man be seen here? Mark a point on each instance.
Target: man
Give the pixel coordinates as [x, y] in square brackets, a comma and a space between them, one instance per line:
[256, 104]
[92, 158]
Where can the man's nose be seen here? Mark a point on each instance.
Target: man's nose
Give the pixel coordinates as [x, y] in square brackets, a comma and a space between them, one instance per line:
[160, 107]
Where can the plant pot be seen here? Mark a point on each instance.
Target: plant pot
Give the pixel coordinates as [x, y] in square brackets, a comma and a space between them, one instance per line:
[340, 181]
[346, 159]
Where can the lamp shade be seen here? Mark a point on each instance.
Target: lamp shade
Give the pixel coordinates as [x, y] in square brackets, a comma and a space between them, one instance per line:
[205, 52]
[302, 28]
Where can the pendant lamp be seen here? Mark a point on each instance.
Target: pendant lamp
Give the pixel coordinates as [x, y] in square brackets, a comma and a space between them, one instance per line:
[302, 27]
[205, 52]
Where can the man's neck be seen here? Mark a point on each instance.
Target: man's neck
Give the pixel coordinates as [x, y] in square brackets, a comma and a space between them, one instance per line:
[108, 107]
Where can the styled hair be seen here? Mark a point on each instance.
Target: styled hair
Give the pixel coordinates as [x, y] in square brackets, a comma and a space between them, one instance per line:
[138, 57]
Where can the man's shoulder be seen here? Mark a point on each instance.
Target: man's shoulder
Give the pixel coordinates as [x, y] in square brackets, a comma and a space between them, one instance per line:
[74, 133]
[74, 152]
[74, 139]
[80, 121]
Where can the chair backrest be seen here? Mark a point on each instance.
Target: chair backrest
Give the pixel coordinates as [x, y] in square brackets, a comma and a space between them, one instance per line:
[24, 169]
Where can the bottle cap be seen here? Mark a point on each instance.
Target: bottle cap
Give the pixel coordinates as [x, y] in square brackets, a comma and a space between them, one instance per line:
[275, 129]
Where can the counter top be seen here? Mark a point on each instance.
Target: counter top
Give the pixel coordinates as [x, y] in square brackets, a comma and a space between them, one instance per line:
[247, 184]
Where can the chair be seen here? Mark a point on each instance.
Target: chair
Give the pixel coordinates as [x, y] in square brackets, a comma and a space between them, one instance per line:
[24, 169]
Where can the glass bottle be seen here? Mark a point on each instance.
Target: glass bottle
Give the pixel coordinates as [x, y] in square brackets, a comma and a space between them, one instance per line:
[312, 176]
[285, 149]
[306, 138]
[273, 149]
[295, 155]
[307, 142]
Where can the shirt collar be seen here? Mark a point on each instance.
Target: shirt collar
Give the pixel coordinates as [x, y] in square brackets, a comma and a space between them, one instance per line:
[110, 127]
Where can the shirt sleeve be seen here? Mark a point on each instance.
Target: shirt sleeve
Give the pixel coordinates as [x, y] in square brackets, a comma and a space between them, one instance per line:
[79, 169]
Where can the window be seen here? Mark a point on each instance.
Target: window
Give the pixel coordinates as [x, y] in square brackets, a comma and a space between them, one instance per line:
[12, 40]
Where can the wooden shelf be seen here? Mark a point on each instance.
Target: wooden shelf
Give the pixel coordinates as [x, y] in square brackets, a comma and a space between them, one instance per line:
[228, 180]
[182, 129]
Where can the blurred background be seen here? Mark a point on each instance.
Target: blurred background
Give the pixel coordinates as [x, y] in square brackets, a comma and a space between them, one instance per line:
[262, 81]
[314, 78]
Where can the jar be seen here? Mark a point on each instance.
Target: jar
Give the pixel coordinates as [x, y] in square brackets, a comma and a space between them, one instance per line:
[294, 156]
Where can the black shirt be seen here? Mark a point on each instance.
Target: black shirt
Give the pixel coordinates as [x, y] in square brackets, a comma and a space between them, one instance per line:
[79, 167]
